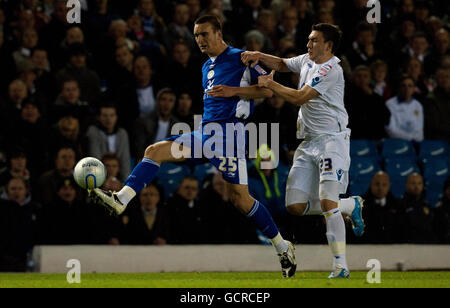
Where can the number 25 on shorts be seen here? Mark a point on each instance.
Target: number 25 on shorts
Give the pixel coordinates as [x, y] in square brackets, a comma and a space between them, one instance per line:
[228, 164]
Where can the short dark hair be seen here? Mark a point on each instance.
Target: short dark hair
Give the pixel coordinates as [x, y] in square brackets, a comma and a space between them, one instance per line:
[213, 20]
[330, 33]
[165, 91]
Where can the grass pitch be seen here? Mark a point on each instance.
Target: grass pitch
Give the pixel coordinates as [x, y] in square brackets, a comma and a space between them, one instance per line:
[227, 280]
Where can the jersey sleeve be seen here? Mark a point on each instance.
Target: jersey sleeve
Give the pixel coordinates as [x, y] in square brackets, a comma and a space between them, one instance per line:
[295, 64]
[251, 75]
[324, 79]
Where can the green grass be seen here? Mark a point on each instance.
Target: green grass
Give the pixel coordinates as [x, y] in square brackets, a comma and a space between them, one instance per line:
[226, 280]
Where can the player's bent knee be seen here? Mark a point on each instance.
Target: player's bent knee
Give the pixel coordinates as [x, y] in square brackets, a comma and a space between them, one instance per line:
[297, 209]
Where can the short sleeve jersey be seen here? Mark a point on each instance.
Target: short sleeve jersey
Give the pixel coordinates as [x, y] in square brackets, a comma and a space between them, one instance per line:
[226, 69]
[325, 114]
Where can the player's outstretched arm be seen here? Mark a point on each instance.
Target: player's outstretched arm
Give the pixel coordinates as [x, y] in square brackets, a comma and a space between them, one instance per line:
[295, 97]
[250, 92]
[272, 62]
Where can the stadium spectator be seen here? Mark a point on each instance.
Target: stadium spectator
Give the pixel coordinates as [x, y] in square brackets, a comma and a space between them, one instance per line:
[74, 35]
[30, 132]
[122, 70]
[407, 119]
[76, 68]
[67, 131]
[267, 25]
[148, 223]
[48, 182]
[189, 74]
[29, 40]
[26, 73]
[54, 32]
[45, 81]
[417, 47]
[112, 166]
[440, 48]
[267, 180]
[400, 37]
[154, 25]
[414, 68]
[69, 102]
[276, 110]
[18, 226]
[254, 41]
[442, 216]
[380, 212]
[157, 125]
[222, 222]
[178, 30]
[107, 136]
[288, 24]
[244, 17]
[363, 51]
[437, 108]
[368, 114]
[416, 216]
[305, 22]
[183, 110]
[17, 94]
[194, 12]
[379, 71]
[17, 168]
[66, 220]
[137, 98]
[186, 214]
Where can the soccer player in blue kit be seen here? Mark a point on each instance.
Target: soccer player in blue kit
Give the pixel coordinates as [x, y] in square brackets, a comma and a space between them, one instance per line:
[229, 87]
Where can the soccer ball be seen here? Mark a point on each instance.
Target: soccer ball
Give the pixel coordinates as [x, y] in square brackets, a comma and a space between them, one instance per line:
[89, 173]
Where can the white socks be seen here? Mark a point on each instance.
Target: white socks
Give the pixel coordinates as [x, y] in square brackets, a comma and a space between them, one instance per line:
[126, 194]
[279, 243]
[336, 236]
[347, 205]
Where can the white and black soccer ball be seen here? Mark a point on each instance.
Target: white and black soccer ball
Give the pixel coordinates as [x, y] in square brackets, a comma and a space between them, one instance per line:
[89, 173]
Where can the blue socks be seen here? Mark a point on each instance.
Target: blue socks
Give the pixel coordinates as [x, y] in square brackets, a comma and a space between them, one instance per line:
[263, 220]
[142, 175]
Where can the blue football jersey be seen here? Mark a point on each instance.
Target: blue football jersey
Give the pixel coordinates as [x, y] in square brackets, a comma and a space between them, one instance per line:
[226, 69]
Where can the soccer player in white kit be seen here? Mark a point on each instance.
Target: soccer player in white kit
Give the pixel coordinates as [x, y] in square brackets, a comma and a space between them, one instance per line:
[321, 162]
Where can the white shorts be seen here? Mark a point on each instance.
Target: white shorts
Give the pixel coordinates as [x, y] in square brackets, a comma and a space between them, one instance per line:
[323, 158]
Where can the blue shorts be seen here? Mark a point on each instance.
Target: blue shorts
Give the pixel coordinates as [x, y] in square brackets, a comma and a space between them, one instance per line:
[223, 144]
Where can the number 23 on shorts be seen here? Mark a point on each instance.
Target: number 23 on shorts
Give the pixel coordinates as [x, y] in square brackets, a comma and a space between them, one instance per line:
[325, 165]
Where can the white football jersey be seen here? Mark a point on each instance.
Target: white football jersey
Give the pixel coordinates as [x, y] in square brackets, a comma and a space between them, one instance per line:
[325, 114]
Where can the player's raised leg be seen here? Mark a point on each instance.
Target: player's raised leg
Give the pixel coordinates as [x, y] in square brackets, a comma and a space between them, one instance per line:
[141, 176]
[352, 207]
[258, 213]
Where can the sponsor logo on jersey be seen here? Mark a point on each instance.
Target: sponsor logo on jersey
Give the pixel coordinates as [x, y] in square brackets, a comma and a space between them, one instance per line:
[339, 174]
[323, 71]
[315, 81]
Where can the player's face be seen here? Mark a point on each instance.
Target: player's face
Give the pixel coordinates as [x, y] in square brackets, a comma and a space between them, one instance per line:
[208, 39]
[317, 47]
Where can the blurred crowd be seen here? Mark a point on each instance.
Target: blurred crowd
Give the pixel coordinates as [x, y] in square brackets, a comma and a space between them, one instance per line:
[119, 80]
